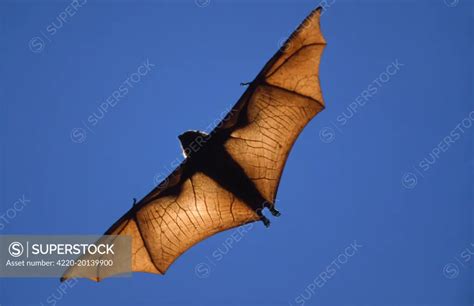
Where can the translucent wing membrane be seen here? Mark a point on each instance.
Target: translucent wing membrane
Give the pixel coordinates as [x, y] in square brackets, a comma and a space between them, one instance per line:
[257, 136]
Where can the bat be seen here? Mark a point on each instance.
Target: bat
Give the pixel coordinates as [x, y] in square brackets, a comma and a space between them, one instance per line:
[229, 176]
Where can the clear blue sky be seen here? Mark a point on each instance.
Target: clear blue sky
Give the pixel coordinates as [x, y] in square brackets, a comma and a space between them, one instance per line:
[378, 175]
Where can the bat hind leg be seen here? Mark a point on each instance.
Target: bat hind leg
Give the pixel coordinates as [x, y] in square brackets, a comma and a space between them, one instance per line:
[272, 209]
[264, 219]
[274, 212]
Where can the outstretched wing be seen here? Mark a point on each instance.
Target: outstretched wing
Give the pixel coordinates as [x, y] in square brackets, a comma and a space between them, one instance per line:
[262, 127]
[180, 213]
[282, 99]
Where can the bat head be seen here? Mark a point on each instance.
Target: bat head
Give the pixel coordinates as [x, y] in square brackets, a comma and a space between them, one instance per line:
[192, 141]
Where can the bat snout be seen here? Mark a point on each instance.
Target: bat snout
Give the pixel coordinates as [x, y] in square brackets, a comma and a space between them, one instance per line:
[192, 141]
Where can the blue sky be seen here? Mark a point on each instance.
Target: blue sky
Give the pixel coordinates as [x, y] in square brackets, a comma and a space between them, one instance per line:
[374, 169]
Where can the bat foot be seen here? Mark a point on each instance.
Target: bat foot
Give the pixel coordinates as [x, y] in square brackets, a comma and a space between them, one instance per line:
[265, 221]
[274, 212]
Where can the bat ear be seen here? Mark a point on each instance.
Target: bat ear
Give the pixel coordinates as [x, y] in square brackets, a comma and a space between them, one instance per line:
[192, 141]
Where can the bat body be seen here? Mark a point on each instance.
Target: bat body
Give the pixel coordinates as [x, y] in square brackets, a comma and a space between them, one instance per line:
[213, 160]
[230, 175]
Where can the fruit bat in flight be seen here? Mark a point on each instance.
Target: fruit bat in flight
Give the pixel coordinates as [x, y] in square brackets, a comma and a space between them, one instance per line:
[231, 174]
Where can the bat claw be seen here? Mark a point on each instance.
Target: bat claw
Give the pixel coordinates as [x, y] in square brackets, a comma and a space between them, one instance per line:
[265, 221]
[274, 212]
[244, 83]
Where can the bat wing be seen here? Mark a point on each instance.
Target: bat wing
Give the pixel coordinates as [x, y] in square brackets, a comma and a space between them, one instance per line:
[278, 104]
[181, 211]
[190, 205]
